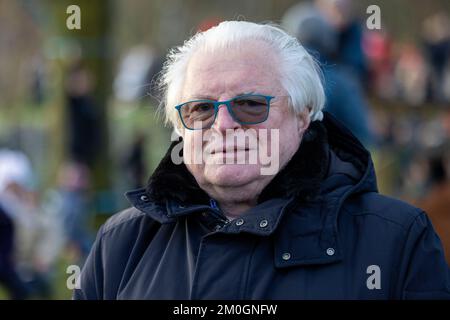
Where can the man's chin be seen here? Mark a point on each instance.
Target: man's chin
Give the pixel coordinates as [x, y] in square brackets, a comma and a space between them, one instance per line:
[232, 175]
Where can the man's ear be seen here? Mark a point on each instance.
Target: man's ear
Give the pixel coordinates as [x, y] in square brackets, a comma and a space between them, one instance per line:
[303, 121]
[179, 129]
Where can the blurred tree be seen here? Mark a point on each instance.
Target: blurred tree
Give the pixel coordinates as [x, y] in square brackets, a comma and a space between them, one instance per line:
[89, 46]
[19, 42]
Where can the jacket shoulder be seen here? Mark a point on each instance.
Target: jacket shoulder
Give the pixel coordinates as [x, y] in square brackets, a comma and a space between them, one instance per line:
[383, 207]
[122, 218]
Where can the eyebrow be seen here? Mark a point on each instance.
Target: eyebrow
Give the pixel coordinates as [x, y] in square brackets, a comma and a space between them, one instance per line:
[208, 97]
[201, 97]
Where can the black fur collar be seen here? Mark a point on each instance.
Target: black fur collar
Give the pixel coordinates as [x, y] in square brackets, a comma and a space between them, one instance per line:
[301, 177]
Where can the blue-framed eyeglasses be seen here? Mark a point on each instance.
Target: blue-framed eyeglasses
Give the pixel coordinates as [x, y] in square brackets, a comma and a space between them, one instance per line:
[244, 109]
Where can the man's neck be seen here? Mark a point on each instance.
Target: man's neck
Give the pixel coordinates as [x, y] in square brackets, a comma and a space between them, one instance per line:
[234, 210]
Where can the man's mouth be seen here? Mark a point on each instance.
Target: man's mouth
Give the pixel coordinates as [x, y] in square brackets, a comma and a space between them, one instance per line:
[226, 150]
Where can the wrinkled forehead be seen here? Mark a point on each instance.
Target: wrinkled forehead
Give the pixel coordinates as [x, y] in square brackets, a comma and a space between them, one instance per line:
[251, 66]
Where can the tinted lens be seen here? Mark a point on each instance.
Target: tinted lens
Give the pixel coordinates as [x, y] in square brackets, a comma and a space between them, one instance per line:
[251, 109]
[197, 114]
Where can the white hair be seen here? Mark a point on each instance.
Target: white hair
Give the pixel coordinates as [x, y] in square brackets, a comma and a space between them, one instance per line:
[301, 77]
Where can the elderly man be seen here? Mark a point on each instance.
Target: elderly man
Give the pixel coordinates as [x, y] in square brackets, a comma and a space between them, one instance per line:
[219, 226]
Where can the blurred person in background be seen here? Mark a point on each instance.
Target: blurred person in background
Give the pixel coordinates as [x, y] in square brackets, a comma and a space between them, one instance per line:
[436, 201]
[411, 74]
[134, 163]
[37, 235]
[436, 40]
[75, 174]
[75, 207]
[345, 96]
[136, 72]
[81, 115]
[378, 47]
[340, 14]
[9, 277]
[414, 176]
[14, 176]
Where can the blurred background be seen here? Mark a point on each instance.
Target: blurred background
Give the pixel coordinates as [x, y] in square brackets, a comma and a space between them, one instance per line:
[79, 124]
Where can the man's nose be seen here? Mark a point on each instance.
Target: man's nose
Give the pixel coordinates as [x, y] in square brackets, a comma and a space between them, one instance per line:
[224, 120]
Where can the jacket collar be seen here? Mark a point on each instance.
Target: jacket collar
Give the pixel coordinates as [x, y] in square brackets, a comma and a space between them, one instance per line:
[330, 165]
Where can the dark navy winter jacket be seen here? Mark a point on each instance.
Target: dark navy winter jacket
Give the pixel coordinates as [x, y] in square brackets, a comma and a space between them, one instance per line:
[320, 231]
